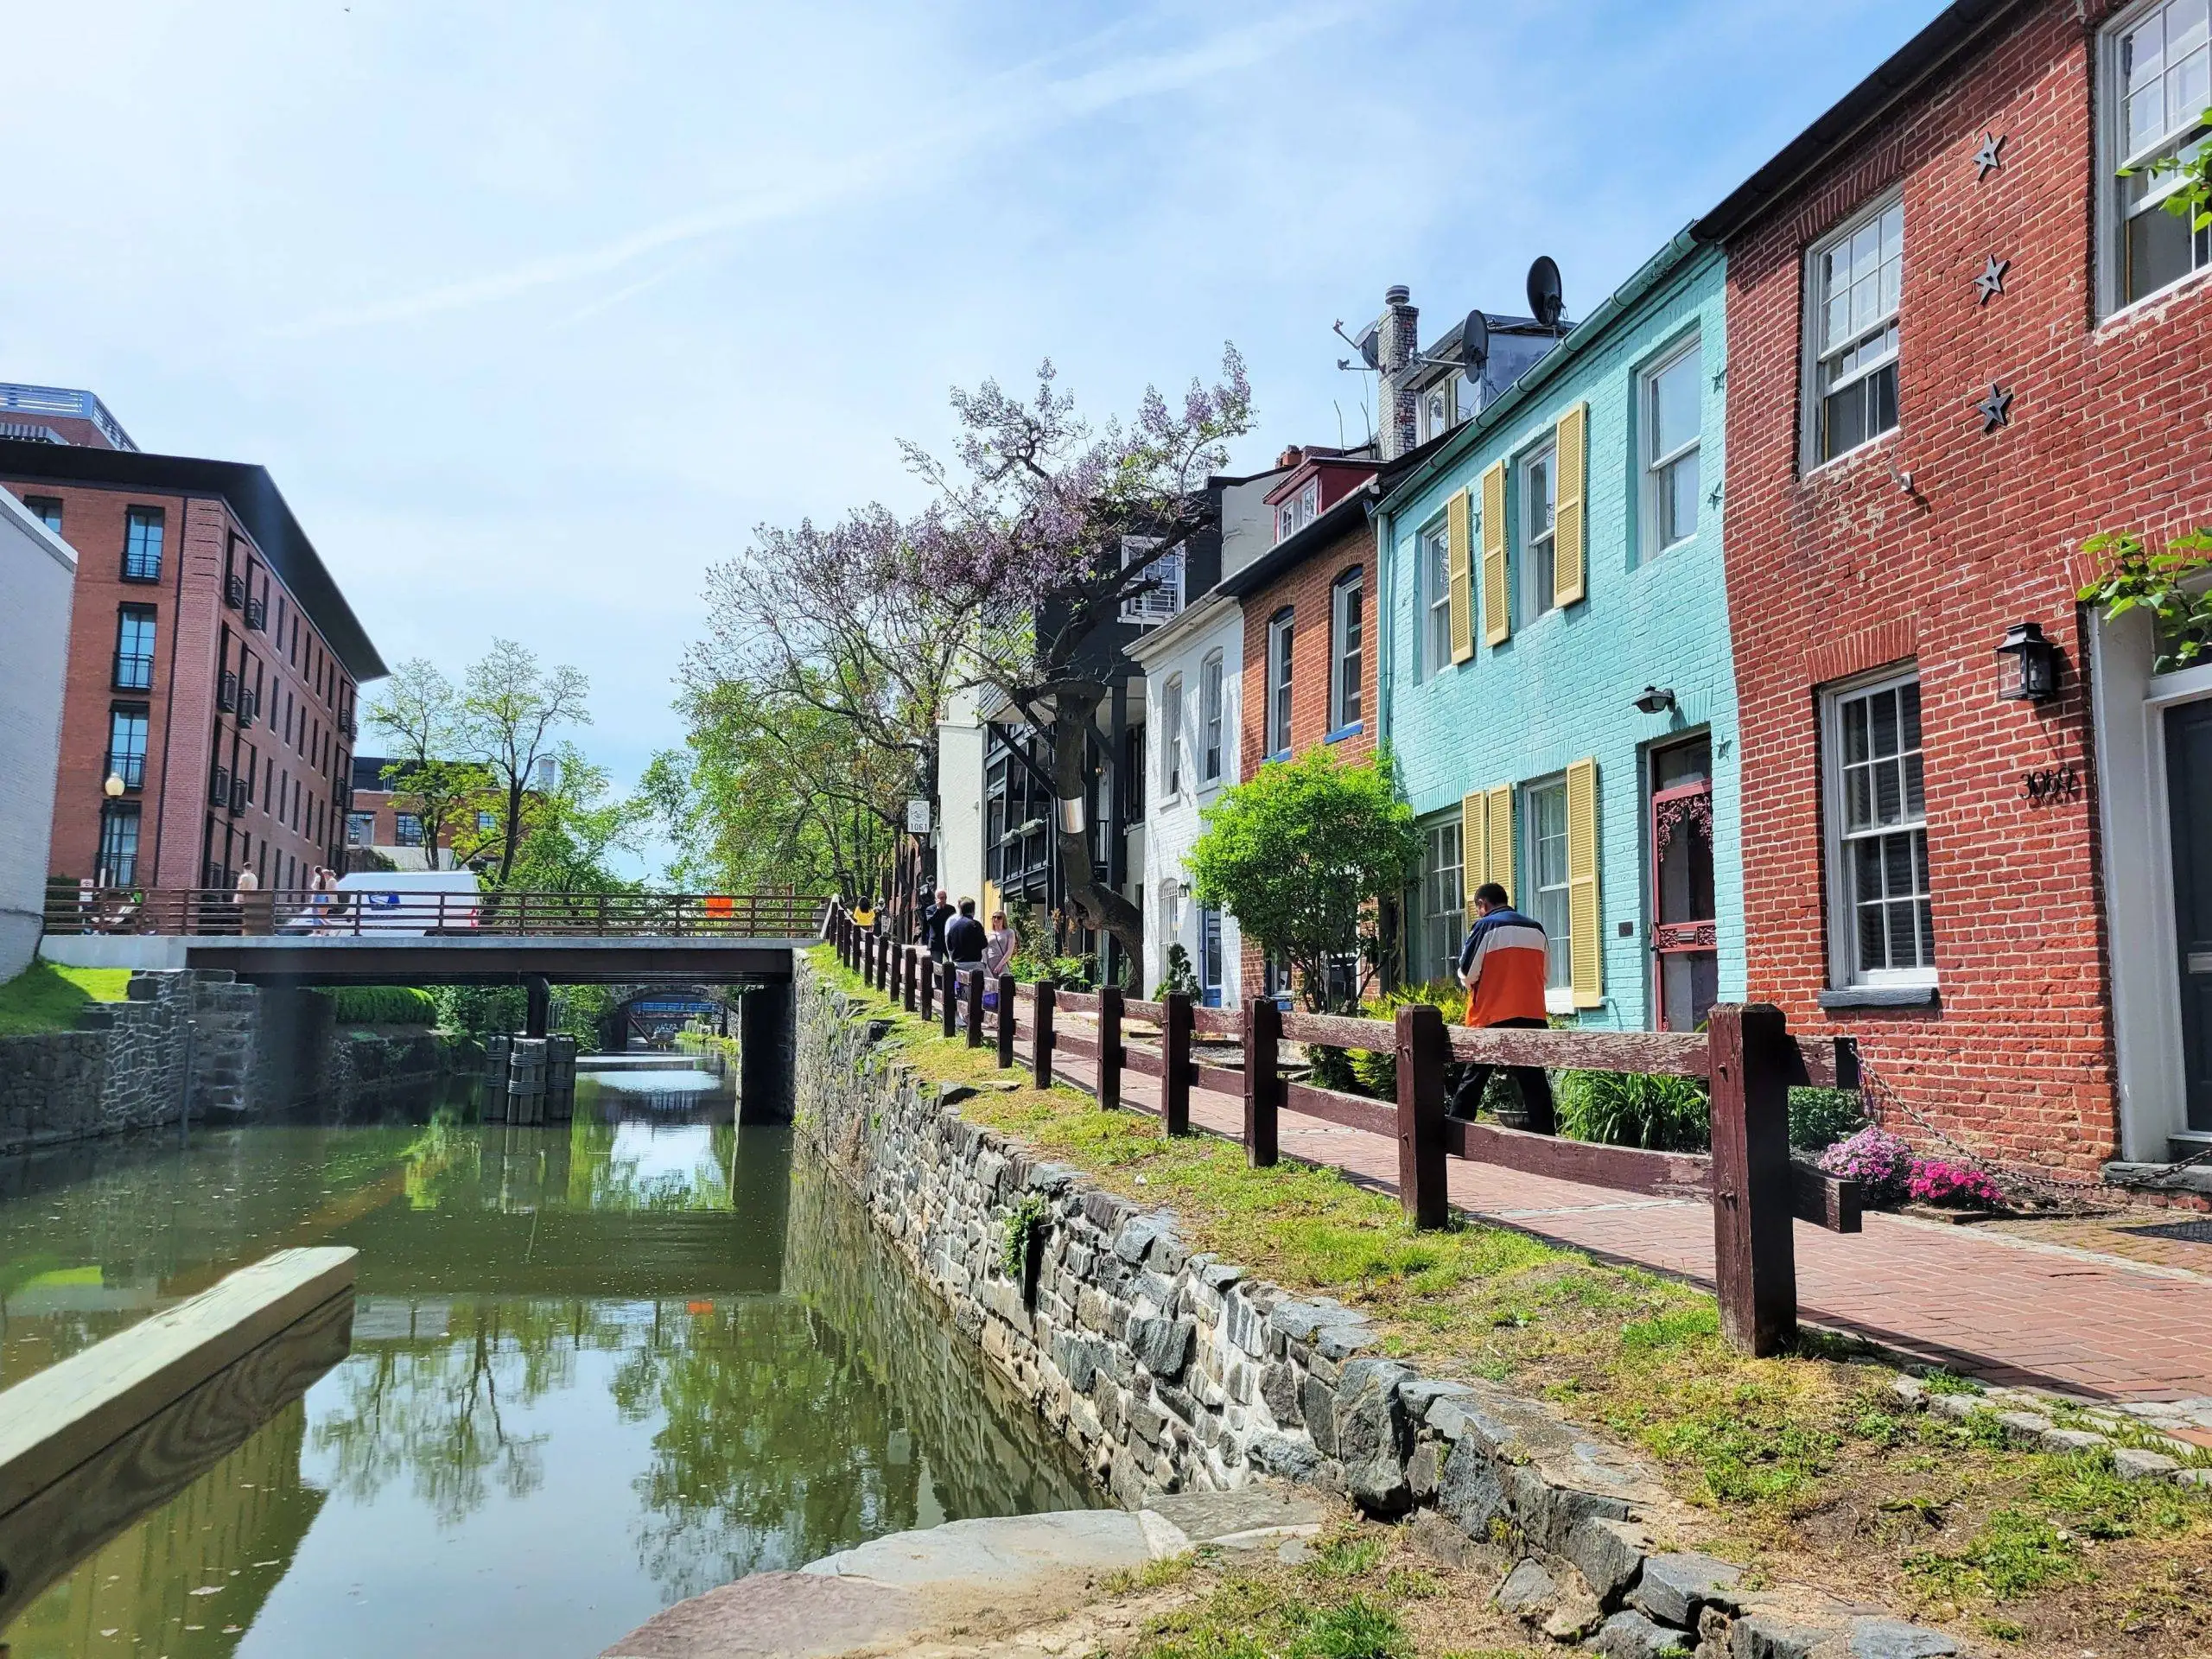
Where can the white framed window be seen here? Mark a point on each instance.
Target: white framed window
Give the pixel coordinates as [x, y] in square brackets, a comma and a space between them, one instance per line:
[1543, 838]
[1433, 557]
[1210, 719]
[1882, 911]
[1158, 602]
[1279, 670]
[1855, 278]
[1345, 644]
[1539, 493]
[1285, 520]
[1466, 397]
[1299, 511]
[1673, 422]
[1171, 738]
[1443, 903]
[1309, 502]
[2157, 65]
[1433, 412]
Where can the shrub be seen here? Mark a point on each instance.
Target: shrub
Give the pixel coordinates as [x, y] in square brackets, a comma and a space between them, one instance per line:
[1180, 976]
[1629, 1109]
[382, 1005]
[1935, 1181]
[1821, 1118]
[1878, 1160]
[1375, 1070]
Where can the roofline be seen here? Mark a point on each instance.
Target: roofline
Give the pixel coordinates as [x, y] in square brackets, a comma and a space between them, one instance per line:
[1680, 251]
[254, 500]
[1297, 475]
[1306, 540]
[1957, 28]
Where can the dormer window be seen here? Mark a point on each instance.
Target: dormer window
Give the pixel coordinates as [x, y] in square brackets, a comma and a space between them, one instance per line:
[1301, 510]
[1433, 418]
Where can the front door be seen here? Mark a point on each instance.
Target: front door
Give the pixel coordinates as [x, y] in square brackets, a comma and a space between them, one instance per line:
[2189, 797]
[1685, 934]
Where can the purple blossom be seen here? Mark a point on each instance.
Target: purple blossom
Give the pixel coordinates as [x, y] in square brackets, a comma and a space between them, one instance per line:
[1880, 1162]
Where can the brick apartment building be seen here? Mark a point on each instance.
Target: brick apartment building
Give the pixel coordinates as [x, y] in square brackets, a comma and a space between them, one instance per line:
[209, 719]
[1958, 346]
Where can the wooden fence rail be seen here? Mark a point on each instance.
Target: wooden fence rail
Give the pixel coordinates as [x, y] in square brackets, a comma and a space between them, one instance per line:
[1746, 1057]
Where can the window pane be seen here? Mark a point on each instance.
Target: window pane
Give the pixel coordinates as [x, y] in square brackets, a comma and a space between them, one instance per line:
[1680, 514]
[1858, 791]
[1927, 911]
[1674, 405]
[1854, 731]
[1883, 707]
[1898, 863]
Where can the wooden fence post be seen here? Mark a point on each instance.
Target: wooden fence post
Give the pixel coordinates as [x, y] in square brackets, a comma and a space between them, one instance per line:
[950, 990]
[883, 962]
[914, 962]
[1006, 1019]
[1262, 1081]
[1110, 1048]
[1040, 1034]
[1423, 1049]
[1754, 1252]
[868, 959]
[928, 988]
[1175, 1055]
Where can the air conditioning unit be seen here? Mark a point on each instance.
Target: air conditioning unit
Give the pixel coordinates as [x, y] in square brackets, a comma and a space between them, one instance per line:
[257, 614]
[227, 693]
[248, 706]
[234, 592]
[220, 790]
[241, 793]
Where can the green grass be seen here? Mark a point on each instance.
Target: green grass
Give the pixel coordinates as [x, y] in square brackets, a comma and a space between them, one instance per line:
[45, 997]
[382, 1005]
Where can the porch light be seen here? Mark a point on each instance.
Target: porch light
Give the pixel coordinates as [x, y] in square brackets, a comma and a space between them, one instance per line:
[113, 787]
[2033, 677]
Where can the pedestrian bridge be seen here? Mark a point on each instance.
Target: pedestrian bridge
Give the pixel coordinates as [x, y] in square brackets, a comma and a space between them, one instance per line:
[367, 937]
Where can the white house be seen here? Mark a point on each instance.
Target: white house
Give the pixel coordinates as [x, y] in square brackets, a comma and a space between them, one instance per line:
[38, 580]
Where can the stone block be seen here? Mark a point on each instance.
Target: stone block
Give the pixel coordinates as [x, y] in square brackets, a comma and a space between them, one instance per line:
[1529, 1591]
[1278, 1389]
[1317, 1403]
[1162, 1346]
[2132, 1463]
[1768, 1635]
[1608, 1553]
[1283, 1457]
[2024, 1426]
[1470, 1492]
[1676, 1586]
[1892, 1638]
[1631, 1635]
[1422, 1471]
[1138, 1235]
[2072, 1440]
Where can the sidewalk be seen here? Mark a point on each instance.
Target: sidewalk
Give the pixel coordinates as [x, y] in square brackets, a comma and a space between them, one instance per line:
[2011, 1311]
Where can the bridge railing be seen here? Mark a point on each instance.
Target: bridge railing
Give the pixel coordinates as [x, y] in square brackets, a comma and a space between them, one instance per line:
[370, 912]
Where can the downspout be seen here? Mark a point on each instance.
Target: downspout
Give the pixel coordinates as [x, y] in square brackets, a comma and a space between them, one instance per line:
[168, 697]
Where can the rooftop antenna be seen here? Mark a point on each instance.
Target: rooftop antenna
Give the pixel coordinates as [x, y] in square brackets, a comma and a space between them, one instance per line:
[1339, 407]
[1368, 357]
[1545, 300]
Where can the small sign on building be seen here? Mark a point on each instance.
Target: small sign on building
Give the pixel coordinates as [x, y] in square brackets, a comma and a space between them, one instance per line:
[918, 817]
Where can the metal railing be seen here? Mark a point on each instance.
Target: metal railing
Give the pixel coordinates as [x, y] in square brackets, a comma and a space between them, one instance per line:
[134, 671]
[366, 911]
[131, 768]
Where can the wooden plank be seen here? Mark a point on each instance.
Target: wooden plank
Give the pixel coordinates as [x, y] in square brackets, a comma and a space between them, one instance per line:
[1150, 1013]
[1825, 1062]
[1067, 1045]
[43, 1539]
[1338, 1031]
[1825, 1200]
[1218, 1080]
[1261, 1024]
[1629, 1169]
[1666, 1053]
[1217, 1022]
[1351, 1111]
[1755, 1249]
[1175, 1059]
[1077, 1002]
[1108, 1047]
[53, 1421]
[1421, 1054]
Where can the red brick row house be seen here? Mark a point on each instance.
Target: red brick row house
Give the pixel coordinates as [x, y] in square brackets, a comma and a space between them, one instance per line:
[1961, 341]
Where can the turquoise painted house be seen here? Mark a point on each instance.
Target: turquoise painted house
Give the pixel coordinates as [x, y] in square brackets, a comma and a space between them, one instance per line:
[1555, 681]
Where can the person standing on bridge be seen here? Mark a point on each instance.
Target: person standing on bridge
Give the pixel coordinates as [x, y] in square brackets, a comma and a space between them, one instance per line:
[936, 919]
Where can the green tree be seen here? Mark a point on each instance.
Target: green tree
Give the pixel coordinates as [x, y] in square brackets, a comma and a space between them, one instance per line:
[1300, 853]
[430, 769]
[570, 831]
[513, 710]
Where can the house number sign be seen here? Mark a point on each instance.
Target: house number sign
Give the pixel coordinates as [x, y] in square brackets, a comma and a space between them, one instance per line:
[2050, 784]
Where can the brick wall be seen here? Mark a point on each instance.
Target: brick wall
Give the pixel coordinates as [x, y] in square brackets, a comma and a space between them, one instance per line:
[1844, 570]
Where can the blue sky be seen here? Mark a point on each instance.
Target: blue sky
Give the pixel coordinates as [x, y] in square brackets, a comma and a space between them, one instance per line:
[535, 310]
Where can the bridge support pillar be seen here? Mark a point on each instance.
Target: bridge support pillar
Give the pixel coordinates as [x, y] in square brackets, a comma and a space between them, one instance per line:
[767, 1053]
[540, 996]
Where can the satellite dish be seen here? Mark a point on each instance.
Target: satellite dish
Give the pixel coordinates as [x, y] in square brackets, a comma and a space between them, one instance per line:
[1371, 350]
[1545, 302]
[1474, 342]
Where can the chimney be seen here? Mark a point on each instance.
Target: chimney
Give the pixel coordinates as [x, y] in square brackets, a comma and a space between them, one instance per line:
[1292, 457]
[1397, 344]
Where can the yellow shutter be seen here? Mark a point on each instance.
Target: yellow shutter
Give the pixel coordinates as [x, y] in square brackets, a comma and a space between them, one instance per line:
[1474, 846]
[1500, 837]
[1457, 562]
[1586, 946]
[1497, 617]
[1567, 560]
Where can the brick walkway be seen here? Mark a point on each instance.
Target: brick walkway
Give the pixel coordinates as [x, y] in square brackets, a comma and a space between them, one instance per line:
[2011, 1309]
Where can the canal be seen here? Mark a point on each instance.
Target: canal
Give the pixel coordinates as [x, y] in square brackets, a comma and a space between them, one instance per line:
[596, 1367]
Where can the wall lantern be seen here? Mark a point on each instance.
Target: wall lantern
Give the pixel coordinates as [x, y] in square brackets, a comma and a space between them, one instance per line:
[113, 787]
[1656, 699]
[2033, 677]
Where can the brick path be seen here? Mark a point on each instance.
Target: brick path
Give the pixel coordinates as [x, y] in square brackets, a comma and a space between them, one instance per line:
[2011, 1309]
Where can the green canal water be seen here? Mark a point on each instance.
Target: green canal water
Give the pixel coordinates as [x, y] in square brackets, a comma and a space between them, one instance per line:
[596, 1367]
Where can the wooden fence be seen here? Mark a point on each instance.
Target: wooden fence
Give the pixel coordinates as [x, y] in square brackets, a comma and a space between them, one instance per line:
[367, 909]
[1745, 1057]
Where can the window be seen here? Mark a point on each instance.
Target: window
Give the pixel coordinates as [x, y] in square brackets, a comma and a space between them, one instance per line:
[118, 844]
[142, 544]
[1344, 652]
[1132, 772]
[407, 830]
[1539, 514]
[47, 508]
[1466, 397]
[1673, 419]
[1210, 719]
[1857, 275]
[1279, 664]
[134, 648]
[1432, 555]
[1544, 830]
[1170, 746]
[1300, 510]
[1434, 412]
[126, 746]
[1209, 956]
[1162, 596]
[1884, 918]
[2160, 77]
[484, 821]
[1443, 904]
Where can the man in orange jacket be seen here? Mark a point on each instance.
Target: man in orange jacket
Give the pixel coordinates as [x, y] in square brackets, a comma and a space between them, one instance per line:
[1505, 963]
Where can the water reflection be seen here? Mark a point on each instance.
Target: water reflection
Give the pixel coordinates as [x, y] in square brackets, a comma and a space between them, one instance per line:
[596, 1366]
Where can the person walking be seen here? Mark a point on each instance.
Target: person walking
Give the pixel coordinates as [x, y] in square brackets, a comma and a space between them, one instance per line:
[964, 938]
[934, 922]
[1505, 962]
[864, 914]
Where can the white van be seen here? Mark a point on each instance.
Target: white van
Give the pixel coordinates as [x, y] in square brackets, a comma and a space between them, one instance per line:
[399, 901]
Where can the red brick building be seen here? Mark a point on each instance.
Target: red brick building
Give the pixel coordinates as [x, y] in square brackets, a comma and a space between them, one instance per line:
[209, 719]
[1957, 349]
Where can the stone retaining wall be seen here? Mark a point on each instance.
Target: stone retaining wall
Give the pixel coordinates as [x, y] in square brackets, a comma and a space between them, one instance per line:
[133, 1064]
[1172, 1371]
